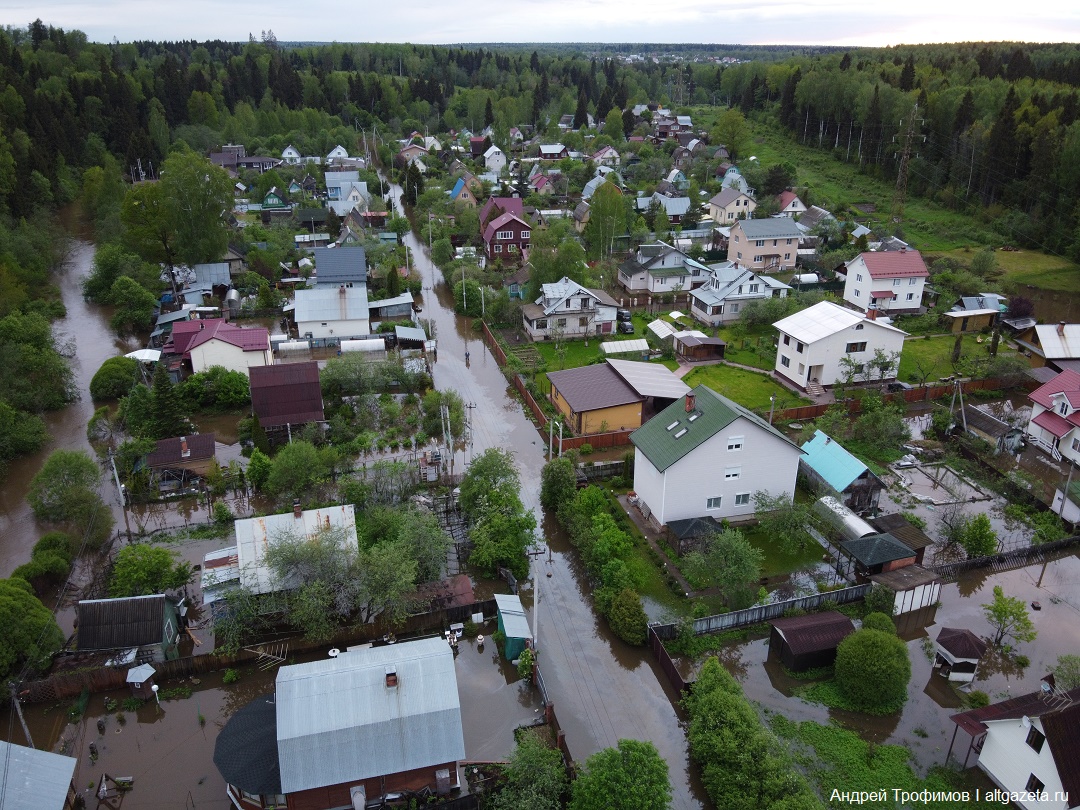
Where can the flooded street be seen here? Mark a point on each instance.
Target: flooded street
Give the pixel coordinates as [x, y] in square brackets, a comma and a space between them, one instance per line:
[603, 690]
[86, 326]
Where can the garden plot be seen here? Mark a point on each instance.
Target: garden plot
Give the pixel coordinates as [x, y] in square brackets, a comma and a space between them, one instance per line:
[937, 484]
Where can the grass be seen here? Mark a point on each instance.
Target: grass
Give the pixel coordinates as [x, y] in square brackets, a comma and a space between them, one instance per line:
[828, 694]
[1023, 267]
[778, 561]
[836, 758]
[748, 388]
[934, 353]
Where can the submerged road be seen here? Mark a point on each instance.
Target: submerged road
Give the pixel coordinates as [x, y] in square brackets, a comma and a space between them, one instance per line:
[603, 689]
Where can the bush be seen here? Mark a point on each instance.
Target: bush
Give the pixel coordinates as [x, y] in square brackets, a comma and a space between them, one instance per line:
[872, 671]
[879, 621]
[880, 600]
[525, 664]
[114, 379]
[586, 449]
[230, 676]
[627, 617]
[977, 699]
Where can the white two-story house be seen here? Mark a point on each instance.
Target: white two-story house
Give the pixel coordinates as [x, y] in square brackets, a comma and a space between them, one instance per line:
[765, 245]
[818, 345]
[721, 299]
[661, 268]
[706, 456]
[891, 281]
[567, 309]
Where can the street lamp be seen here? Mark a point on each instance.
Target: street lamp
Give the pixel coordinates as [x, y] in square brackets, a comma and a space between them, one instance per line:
[154, 688]
[772, 404]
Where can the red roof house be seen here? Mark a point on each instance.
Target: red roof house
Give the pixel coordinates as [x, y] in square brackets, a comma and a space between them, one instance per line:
[507, 237]
[214, 342]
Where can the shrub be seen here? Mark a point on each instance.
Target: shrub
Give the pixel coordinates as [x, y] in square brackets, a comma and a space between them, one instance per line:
[114, 379]
[222, 512]
[879, 621]
[627, 617]
[977, 698]
[586, 449]
[230, 676]
[880, 600]
[525, 664]
[873, 670]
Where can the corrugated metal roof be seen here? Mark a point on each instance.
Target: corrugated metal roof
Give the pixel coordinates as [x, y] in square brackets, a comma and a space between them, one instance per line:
[338, 721]
[904, 263]
[331, 303]
[32, 779]
[396, 301]
[413, 333]
[780, 228]
[254, 536]
[650, 379]
[814, 633]
[1067, 382]
[674, 433]
[515, 623]
[831, 461]
[336, 266]
[286, 394]
[213, 273]
[824, 319]
[115, 624]
[638, 345]
[590, 388]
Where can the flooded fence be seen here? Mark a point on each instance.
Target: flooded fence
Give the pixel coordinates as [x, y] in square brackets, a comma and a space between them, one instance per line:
[762, 613]
[667, 666]
[1007, 561]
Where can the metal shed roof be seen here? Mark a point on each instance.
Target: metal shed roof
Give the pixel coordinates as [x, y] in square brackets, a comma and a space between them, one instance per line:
[32, 779]
[332, 303]
[515, 623]
[831, 461]
[334, 266]
[338, 721]
[650, 379]
[413, 333]
[637, 346]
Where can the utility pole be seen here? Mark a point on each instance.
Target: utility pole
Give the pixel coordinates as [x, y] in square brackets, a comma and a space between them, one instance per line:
[469, 423]
[18, 710]
[901, 176]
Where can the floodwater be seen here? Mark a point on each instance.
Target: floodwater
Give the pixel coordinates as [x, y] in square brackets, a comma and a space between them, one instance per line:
[924, 725]
[603, 690]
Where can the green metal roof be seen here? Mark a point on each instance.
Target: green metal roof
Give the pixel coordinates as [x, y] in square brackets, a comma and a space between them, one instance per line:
[674, 433]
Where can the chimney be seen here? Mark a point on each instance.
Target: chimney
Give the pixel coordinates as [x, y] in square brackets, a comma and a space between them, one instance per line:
[871, 313]
[1061, 328]
[391, 677]
[341, 290]
[185, 451]
[690, 402]
[903, 248]
[296, 510]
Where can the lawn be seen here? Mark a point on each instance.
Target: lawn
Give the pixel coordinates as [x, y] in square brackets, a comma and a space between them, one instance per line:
[755, 347]
[934, 354]
[777, 561]
[748, 388]
[1023, 267]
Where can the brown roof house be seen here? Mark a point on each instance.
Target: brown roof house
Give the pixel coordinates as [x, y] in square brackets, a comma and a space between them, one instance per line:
[809, 642]
[176, 462]
[145, 628]
[958, 652]
[1029, 743]
[286, 395]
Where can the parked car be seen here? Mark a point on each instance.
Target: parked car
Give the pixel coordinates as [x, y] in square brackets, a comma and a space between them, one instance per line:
[625, 327]
[896, 386]
[623, 316]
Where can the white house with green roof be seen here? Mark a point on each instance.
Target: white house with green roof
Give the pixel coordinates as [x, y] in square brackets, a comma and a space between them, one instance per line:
[705, 456]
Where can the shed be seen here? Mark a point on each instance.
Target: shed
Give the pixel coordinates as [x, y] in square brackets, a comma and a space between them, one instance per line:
[809, 642]
[696, 348]
[289, 394]
[875, 554]
[958, 653]
[832, 468]
[194, 454]
[915, 587]
[906, 532]
[513, 624]
[152, 622]
[140, 679]
[35, 780]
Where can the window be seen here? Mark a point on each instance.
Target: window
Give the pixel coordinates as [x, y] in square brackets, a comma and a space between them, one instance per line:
[857, 293]
[854, 348]
[542, 323]
[736, 237]
[734, 308]
[742, 498]
[858, 326]
[785, 361]
[504, 235]
[896, 282]
[1063, 408]
[561, 323]
[1034, 784]
[755, 288]
[759, 243]
[858, 276]
[569, 303]
[511, 248]
[787, 257]
[788, 242]
[1076, 445]
[586, 303]
[799, 347]
[738, 254]
[787, 340]
[911, 296]
[911, 282]
[759, 258]
[498, 248]
[583, 321]
[713, 503]
[735, 442]
[732, 473]
[1036, 738]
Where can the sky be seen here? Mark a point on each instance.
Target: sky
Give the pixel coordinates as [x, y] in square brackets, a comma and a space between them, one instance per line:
[806, 22]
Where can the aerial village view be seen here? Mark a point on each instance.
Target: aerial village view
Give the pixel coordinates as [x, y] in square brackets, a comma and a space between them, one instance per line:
[528, 427]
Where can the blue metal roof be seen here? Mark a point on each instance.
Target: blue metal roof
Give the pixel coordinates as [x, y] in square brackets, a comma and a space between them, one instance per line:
[831, 461]
[32, 779]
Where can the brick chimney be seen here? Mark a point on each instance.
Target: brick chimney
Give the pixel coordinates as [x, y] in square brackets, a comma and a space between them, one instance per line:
[185, 451]
[1061, 328]
[296, 510]
[871, 314]
[903, 248]
[690, 402]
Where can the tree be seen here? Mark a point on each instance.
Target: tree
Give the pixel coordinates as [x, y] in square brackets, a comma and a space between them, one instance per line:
[535, 776]
[977, 537]
[872, 671]
[1067, 672]
[141, 570]
[295, 470]
[632, 776]
[31, 635]
[607, 220]
[114, 379]
[166, 414]
[627, 617]
[59, 492]
[729, 561]
[558, 483]
[732, 131]
[149, 226]
[782, 519]
[613, 125]
[399, 225]
[393, 282]
[1008, 617]
[881, 599]
[442, 252]
[259, 467]
[879, 621]
[134, 304]
[199, 198]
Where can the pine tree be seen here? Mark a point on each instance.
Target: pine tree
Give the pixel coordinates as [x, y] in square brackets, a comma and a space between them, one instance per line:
[166, 412]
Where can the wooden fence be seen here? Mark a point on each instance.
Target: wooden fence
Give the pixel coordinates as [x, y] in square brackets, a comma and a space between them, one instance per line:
[667, 666]
[762, 613]
[1007, 561]
[493, 345]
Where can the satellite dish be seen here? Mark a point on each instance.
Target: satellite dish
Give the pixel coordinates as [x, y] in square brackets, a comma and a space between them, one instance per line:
[1025, 721]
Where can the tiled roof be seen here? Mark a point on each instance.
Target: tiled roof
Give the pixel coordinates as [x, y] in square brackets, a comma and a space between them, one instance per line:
[168, 451]
[1065, 382]
[286, 394]
[895, 264]
[815, 632]
[116, 624]
[961, 643]
[590, 388]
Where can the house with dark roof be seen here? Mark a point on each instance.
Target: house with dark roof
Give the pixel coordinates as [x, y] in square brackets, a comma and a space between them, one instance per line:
[287, 395]
[1055, 416]
[957, 653]
[553, 151]
[705, 455]
[179, 461]
[891, 281]
[567, 309]
[506, 237]
[863, 557]
[973, 313]
[1028, 744]
[832, 469]
[337, 266]
[36, 780]
[610, 395]
[360, 727]
[905, 531]
[764, 245]
[200, 344]
[146, 627]
[661, 268]
[808, 642]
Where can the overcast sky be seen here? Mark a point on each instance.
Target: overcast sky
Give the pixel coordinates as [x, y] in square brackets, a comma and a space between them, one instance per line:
[810, 22]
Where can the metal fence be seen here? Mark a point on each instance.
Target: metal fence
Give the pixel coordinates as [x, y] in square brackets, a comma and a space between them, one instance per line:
[762, 613]
[1008, 561]
[667, 666]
